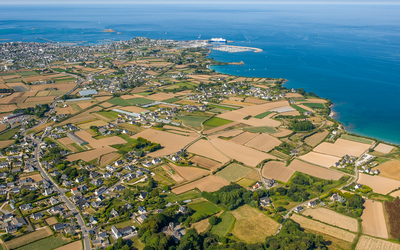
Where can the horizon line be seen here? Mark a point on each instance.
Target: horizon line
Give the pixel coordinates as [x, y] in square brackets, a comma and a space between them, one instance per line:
[208, 3]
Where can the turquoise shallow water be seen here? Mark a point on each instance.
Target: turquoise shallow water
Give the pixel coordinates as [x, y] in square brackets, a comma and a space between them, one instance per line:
[350, 54]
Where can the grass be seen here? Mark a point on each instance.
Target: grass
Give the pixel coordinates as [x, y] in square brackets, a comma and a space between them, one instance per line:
[136, 242]
[193, 121]
[145, 93]
[119, 225]
[280, 155]
[119, 101]
[315, 105]
[234, 171]
[204, 207]
[357, 139]
[171, 100]
[27, 73]
[222, 228]
[7, 74]
[264, 129]
[78, 147]
[246, 182]
[109, 114]
[9, 134]
[139, 100]
[189, 195]
[216, 122]
[69, 79]
[262, 115]
[51, 242]
[218, 110]
[300, 109]
[221, 107]
[28, 238]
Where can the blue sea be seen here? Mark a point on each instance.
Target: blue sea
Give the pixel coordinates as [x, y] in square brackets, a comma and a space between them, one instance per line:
[347, 53]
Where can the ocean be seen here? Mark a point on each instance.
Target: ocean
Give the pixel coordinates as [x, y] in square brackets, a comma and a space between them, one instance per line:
[347, 53]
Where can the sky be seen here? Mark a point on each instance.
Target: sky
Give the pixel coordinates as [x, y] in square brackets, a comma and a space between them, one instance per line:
[34, 2]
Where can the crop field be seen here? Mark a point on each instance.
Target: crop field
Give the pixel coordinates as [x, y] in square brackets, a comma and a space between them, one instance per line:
[244, 229]
[316, 139]
[209, 183]
[203, 207]
[379, 184]
[169, 173]
[390, 169]
[85, 116]
[384, 148]
[255, 176]
[171, 143]
[392, 210]
[77, 245]
[200, 226]
[46, 243]
[333, 218]
[205, 162]
[222, 107]
[222, 228]
[246, 182]
[51, 221]
[226, 134]
[87, 125]
[342, 147]
[263, 142]
[323, 228]
[313, 170]
[315, 105]
[283, 132]
[220, 128]
[243, 138]
[233, 172]
[280, 155]
[356, 139]
[9, 134]
[277, 170]
[264, 129]
[369, 243]
[246, 155]
[161, 96]
[216, 122]
[320, 159]
[28, 238]
[108, 158]
[189, 173]
[6, 143]
[193, 121]
[262, 115]
[59, 86]
[373, 219]
[139, 101]
[204, 148]
[298, 108]
[119, 101]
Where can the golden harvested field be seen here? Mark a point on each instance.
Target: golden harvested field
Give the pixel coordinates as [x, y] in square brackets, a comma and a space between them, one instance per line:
[35, 177]
[389, 169]
[277, 170]
[77, 245]
[189, 173]
[85, 116]
[284, 132]
[246, 155]
[204, 148]
[40, 99]
[255, 100]
[373, 220]
[243, 137]
[108, 158]
[333, 218]
[7, 108]
[3, 126]
[251, 225]
[320, 159]
[66, 141]
[59, 86]
[91, 154]
[171, 143]
[342, 147]
[379, 184]
[28, 238]
[134, 109]
[87, 125]
[6, 143]
[103, 98]
[43, 93]
[209, 183]
[205, 162]
[176, 177]
[384, 148]
[255, 176]
[160, 96]
[226, 134]
[369, 243]
[200, 226]
[293, 95]
[51, 221]
[314, 170]
[8, 99]
[315, 139]
[86, 104]
[216, 129]
[323, 228]
[263, 142]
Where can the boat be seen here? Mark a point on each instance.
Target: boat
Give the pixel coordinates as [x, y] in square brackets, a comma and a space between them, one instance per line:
[217, 40]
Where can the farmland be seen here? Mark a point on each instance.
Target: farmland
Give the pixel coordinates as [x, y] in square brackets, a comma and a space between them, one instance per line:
[244, 229]
[357, 139]
[392, 210]
[193, 121]
[390, 169]
[263, 142]
[77, 245]
[222, 228]
[342, 147]
[333, 218]
[216, 122]
[320, 159]
[28, 238]
[264, 129]
[384, 148]
[277, 170]
[46, 243]
[316, 139]
[189, 173]
[210, 184]
[373, 220]
[315, 105]
[204, 148]
[204, 207]
[234, 171]
[262, 115]
[379, 184]
[313, 170]
[243, 138]
[246, 182]
[205, 163]
[323, 228]
[369, 243]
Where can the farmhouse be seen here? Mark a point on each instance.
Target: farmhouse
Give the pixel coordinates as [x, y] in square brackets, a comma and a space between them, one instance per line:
[264, 201]
[76, 139]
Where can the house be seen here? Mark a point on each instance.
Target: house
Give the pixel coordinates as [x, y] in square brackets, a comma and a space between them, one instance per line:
[102, 235]
[156, 161]
[119, 163]
[80, 179]
[100, 198]
[107, 175]
[59, 226]
[119, 188]
[56, 209]
[357, 186]
[26, 207]
[257, 185]
[36, 216]
[74, 190]
[47, 192]
[53, 201]
[265, 201]
[97, 182]
[143, 195]
[126, 230]
[182, 209]
[18, 222]
[115, 232]
[96, 204]
[337, 198]
[377, 171]
[312, 204]
[93, 220]
[11, 228]
[93, 174]
[298, 209]
[269, 182]
[142, 210]
[141, 218]
[147, 164]
[114, 213]
[100, 191]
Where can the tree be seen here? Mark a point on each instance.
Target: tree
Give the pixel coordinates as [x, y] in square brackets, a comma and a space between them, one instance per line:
[212, 221]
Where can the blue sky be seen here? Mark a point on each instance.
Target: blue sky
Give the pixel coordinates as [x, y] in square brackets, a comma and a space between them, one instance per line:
[18, 2]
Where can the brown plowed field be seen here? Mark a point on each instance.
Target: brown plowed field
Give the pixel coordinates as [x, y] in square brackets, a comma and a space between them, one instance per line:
[59, 86]
[384, 148]
[390, 169]
[243, 138]
[315, 139]
[189, 173]
[277, 170]
[392, 210]
[209, 183]
[379, 184]
[333, 218]
[204, 148]
[7, 143]
[369, 243]
[373, 220]
[205, 163]
[320, 159]
[246, 155]
[263, 142]
[313, 170]
[342, 147]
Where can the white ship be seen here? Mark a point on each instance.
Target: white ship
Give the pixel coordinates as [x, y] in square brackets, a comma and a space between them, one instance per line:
[217, 40]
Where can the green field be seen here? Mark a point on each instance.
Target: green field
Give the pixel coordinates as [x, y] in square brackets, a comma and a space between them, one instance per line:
[119, 225]
[300, 109]
[264, 129]
[51, 242]
[9, 134]
[27, 73]
[357, 139]
[315, 105]
[57, 92]
[218, 110]
[222, 228]
[262, 115]
[7, 74]
[66, 79]
[58, 70]
[109, 114]
[139, 100]
[171, 100]
[234, 171]
[119, 101]
[78, 147]
[246, 182]
[280, 155]
[216, 122]
[204, 207]
[221, 107]
[193, 121]
[145, 93]
[189, 195]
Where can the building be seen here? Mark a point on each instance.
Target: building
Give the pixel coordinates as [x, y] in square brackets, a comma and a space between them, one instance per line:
[76, 139]
[88, 92]
[264, 201]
